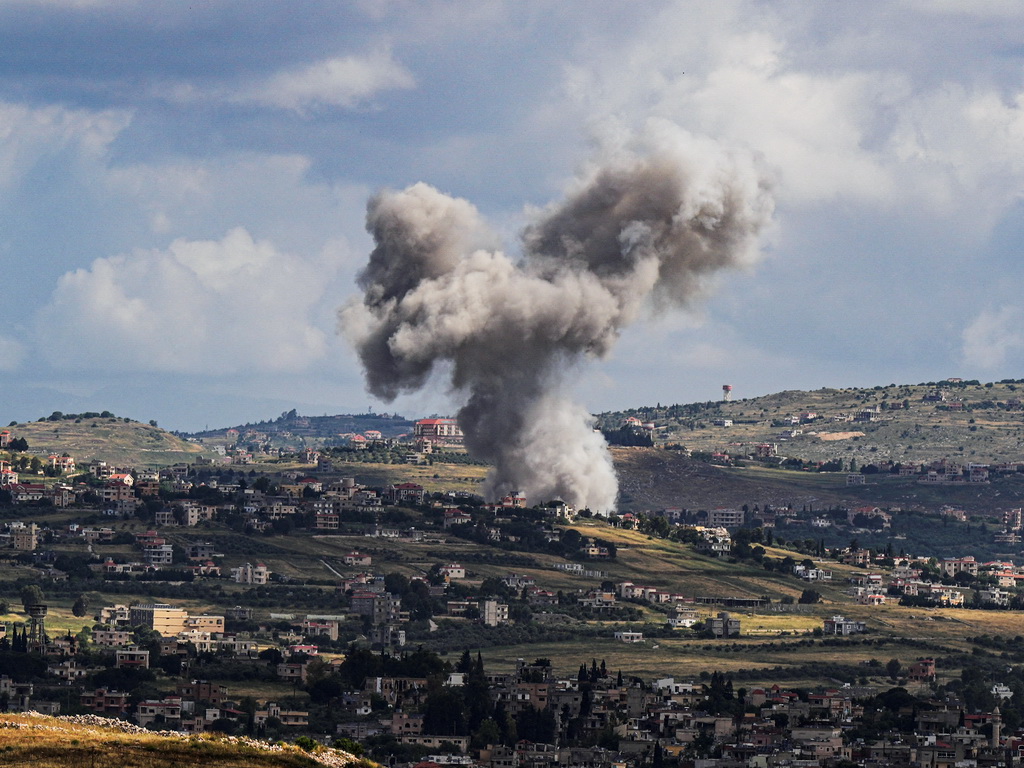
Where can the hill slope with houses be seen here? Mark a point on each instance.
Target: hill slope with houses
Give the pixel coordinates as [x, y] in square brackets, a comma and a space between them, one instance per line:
[960, 420]
[284, 601]
[105, 437]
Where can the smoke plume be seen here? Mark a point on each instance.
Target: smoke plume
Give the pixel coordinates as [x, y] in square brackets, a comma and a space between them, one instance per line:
[643, 228]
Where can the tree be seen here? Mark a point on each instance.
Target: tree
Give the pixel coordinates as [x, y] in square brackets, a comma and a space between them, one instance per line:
[351, 746]
[223, 725]
[445, 713]
[571, 540]
[809, 597]
[80, 607]
[31, 595]
[487, 733]
[893, 667]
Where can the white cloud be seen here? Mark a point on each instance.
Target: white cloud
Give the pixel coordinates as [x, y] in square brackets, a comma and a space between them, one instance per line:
[967, 8]
[959, 145]
[338, 82]
[270, 194]
[12, 352]
[215, 307]
[992, 336]
[836, 111]
[27, 134]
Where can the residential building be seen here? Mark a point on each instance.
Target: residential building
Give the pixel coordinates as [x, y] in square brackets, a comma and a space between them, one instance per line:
[104, 702]
[130, 658]
[493, 613]
[453, 571]
[629, 637]
[162, 618]
[159, 555]
[726, 518]
[838, 625]
[25, 538]
[357, 559]
[724, 625]
[439, 432]
[112, 638]
[257, 575]
[382, 608]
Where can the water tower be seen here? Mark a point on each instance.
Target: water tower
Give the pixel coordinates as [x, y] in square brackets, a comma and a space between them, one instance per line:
[727, 392]
[36, 627]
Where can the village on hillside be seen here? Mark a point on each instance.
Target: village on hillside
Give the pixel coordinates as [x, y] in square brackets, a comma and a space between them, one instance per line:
[173, 615]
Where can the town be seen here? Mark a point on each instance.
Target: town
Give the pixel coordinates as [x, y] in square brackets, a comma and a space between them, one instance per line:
[169, 597]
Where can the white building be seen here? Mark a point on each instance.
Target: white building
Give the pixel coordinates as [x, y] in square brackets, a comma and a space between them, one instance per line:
[250, 574]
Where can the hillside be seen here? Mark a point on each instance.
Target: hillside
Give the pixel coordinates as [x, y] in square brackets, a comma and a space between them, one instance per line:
[655, 478]
[310, 563]
[292, 431]
[111, 439]
[965, 421]
[57, 742]
[962, 421]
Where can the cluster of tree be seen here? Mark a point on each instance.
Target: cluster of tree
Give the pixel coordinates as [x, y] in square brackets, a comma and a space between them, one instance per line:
[451, 636]
[946, 384]
[17, 643]
[24, 463]
[18, 444]
[77, 417]
[628, 436]
[524, 530]
[377, 452]
[18, 664]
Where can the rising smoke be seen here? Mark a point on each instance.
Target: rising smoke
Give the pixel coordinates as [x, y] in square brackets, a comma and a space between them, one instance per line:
[644, 227]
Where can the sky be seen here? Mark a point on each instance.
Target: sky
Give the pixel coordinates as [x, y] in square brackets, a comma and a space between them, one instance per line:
[183, 188]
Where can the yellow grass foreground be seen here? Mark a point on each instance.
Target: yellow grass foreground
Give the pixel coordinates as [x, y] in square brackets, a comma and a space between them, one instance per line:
[89, 741]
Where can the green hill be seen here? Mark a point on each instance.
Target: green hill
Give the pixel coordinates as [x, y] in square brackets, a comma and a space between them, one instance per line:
[966, 421]
[57, 742]
[292, 431]
[107, 438]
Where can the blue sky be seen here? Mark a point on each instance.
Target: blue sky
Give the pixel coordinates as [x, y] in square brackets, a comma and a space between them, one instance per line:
[183, 187]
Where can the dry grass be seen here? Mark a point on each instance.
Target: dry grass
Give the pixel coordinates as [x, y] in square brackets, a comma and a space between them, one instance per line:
[434, 477]
[112, 440]
[46, 742]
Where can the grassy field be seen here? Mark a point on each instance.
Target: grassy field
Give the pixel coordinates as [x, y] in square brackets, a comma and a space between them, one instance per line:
[114, 440]
[433, 477]
[45, 742]
[677, 567]
[686, 660]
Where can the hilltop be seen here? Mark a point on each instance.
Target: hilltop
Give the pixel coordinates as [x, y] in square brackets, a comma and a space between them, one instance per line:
[291, 430]
[966, 421]
[106, 437]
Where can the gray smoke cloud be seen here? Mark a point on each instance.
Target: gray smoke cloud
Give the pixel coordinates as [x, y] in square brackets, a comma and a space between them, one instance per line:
[643, 227]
